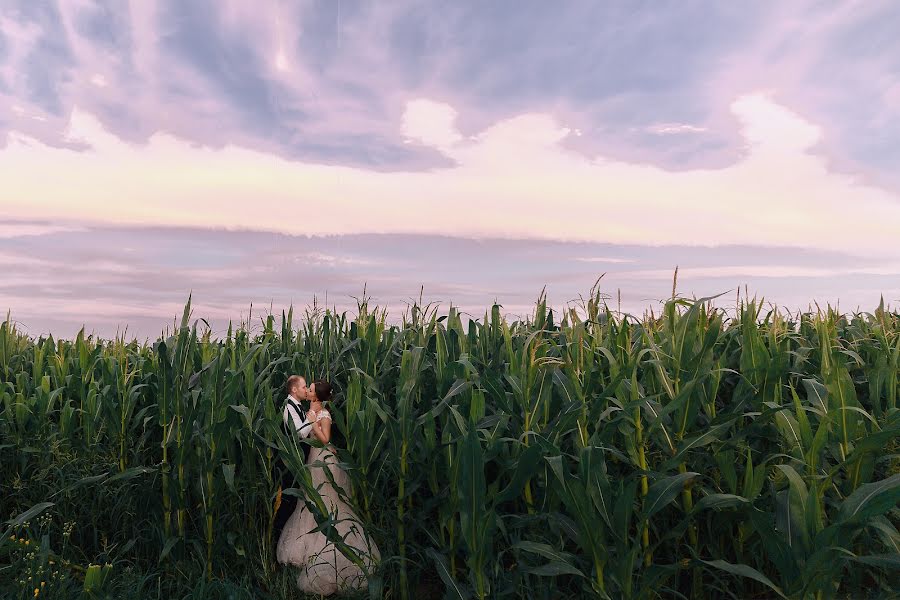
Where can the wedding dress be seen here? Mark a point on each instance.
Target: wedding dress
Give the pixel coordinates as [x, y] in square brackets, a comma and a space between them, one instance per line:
[324, 569]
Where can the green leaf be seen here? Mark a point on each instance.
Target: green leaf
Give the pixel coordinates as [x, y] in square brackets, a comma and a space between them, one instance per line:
[554, 568]
[28, 514]
[725, 460]
[459, 386]
[664, 491]
[798, 486]
[232, 541]
[776, 548]
[623, 510]
[720, 501]
[802, 419]
[817, 394]
[130, 473]
[870, 500]
[472, 488]
[707, 437]
[873, 443]
[79, 483]
[748, 484]
[545, 550]
[170, 543]
[526, 467]
[556, 466]
[744, 571]
[94, 578]
[243, 410]
[454, 589]
[792, 507]
[818, 442]
[884, 561]
[228, 472]
[887, 532]
[790, 430]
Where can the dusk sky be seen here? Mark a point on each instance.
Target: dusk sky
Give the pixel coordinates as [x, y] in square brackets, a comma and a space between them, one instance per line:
[266, 152]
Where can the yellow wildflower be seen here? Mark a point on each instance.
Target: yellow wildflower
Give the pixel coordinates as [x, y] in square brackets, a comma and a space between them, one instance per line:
[36, 592]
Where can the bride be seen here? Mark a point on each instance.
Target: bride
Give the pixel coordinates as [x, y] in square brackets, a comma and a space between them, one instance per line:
[324, 569]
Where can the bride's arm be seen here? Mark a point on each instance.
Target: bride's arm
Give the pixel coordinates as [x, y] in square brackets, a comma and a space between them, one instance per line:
[322, 430]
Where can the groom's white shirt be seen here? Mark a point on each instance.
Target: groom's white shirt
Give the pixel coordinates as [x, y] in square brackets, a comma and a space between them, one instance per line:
[297, 417]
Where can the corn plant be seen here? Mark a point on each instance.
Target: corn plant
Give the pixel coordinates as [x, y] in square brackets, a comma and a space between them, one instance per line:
[578, 452]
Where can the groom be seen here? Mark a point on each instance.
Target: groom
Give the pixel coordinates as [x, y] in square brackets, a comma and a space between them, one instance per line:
[296, 424]
[294, 415]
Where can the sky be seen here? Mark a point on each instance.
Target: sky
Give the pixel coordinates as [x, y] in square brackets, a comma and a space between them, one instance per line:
[267, 153]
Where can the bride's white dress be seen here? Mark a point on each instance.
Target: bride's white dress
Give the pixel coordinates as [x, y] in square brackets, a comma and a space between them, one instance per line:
[323, 569]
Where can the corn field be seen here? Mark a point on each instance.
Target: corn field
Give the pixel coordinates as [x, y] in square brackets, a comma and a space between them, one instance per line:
[582, 454]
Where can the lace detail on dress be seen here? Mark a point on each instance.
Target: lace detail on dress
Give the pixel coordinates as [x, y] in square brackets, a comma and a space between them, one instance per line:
[323, 414]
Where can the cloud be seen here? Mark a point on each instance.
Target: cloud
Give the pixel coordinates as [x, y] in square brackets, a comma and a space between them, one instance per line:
[603, 259]
[20, 229]
[686, 124]
[318, 258]
[515, 178]
[15, 260]
[431, 123]
[110, 276]
[674, 128]
[735, 272]
[768, 125]
[325, 82]
[838, 61]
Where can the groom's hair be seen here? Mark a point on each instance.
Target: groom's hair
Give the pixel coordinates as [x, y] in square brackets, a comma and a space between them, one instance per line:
[292, 381]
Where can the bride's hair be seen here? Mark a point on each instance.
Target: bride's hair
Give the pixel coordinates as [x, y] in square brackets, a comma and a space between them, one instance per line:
[323, 390]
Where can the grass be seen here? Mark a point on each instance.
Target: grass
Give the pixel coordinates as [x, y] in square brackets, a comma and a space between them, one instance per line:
[586, 454]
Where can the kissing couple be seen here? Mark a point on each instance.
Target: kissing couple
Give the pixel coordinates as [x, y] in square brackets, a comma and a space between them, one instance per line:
[322, 568]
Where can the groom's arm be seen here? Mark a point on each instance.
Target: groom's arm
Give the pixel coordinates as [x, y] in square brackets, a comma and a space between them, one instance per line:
[294, 417]
[304, 428]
